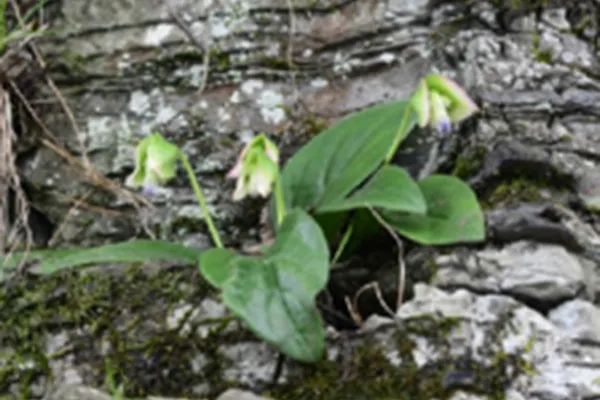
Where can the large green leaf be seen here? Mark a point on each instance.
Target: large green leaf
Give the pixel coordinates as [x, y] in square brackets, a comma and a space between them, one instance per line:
[453, 214]
[337, 160]
[391, 188]
[216, 267]
[137, 250]
[275, 305]
[301, 250]
[275, 294]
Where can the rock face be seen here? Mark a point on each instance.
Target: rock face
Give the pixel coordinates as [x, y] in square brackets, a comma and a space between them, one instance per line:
[513, 318]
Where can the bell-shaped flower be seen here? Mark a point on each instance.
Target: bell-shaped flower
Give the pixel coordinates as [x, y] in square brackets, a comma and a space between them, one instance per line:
[256, 169]
[155, 163]
[439, 113]
[439, 102]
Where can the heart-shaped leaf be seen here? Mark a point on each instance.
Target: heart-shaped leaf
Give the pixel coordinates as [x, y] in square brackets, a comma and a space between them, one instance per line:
[216, 266]
[391, 188]
[453, 214]
[301, 249]
[274, 294]
[270, 299]
[337, 160]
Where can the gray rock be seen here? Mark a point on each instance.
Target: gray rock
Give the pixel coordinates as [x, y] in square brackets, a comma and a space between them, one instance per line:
[579, 318]
[545, 222]
[236, 394]
[542, 272]
[509, 395]
[553, 352]
[250, 363]
[78, 392]
[170, 398]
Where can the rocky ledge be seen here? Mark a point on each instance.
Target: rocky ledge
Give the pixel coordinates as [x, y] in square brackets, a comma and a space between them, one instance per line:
[513, 318]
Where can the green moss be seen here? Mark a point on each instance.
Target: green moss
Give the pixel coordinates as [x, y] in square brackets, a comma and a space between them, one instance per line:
[119, 310]
[566, 137]
[219, 59]
[580, 28]
[276, 63]
[306, 124]
[514, 191]
[543, 56]
[74, 62]
[196, 121]
[313, 125]
[430, 267]
[469, 163]
[187, 224]
[366, 373]
[185, 57]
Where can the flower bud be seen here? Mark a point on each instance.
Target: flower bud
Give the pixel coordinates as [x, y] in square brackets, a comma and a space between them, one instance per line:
[256, 169]
[155, 160]
[439, 102]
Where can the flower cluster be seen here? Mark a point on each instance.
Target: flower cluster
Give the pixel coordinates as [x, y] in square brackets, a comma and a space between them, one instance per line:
[438, 102]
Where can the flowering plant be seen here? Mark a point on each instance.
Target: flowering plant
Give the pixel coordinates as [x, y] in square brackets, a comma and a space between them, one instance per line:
[439, 102]
[346, 167]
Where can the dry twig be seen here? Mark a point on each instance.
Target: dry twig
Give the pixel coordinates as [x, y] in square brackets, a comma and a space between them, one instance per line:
[10, 180]
[42, 64]
[83, 167]
[91, 175]
[352, 306]
[401, 265]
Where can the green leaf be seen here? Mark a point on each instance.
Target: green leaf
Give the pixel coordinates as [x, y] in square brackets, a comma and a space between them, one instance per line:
[301, 248]
[216, 267]
[453, 214]
[275, 294]
[12, 260]
[137, 250]
[269, 298]
[333, 163]
[391, 188]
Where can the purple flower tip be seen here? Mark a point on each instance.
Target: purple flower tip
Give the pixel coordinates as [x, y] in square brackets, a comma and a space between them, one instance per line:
[444, 127]
[150, 190]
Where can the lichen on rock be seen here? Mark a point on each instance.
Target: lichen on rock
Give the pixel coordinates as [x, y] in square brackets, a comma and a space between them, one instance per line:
[509, 318]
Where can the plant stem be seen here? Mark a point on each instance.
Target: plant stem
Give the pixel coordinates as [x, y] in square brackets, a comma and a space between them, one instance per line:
[401, 134]
[279, 200]
[201, 200]
[343, 243]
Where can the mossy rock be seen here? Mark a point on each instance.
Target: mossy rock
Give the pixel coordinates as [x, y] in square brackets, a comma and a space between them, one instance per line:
[365, 371]
[113, 322]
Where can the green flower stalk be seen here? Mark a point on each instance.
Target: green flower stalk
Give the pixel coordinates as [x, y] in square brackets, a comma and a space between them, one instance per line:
[256, 171]
[155, 166]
